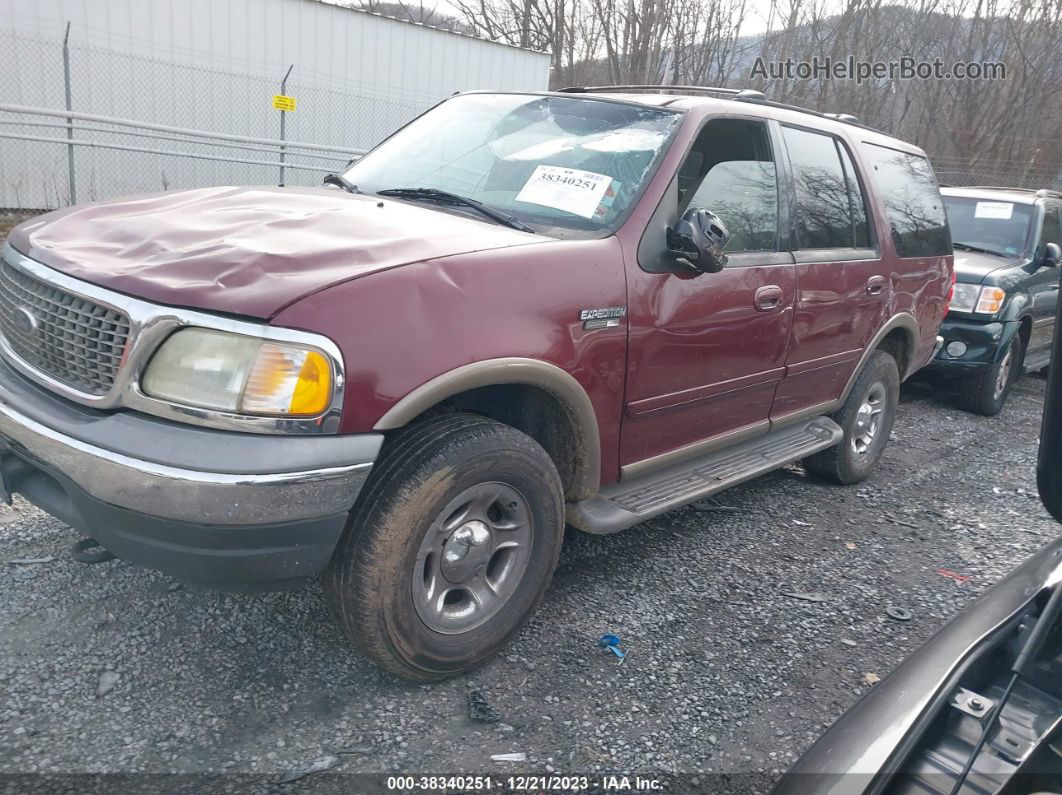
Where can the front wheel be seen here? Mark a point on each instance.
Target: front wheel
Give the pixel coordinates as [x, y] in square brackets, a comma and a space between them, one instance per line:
[451, 547]
[866, 417]
[986, 392]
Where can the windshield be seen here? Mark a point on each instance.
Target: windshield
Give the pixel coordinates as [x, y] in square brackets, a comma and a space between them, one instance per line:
[1000, 227]
[571, 164]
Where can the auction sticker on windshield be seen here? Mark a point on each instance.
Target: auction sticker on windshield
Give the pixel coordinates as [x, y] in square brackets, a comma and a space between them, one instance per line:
[1001, 210]
[569, 189]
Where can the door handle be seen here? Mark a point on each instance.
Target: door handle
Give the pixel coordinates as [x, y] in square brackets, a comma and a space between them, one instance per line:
[768, 297]
[875, 284]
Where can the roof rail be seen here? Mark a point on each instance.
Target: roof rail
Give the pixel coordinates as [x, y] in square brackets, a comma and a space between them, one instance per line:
[844, 118]
[998, 187]
[739, 94]
[735, 92]
[1042, 193]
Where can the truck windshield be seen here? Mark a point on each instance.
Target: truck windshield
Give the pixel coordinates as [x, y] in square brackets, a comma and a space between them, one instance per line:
[569, 164]
[998, 227]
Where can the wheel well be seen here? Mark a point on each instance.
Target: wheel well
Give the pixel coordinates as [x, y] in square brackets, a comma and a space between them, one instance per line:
[1025, 330]
[540, 415]
[898, 344]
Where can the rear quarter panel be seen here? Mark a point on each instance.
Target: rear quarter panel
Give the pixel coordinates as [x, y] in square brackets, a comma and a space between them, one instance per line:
[919, 285]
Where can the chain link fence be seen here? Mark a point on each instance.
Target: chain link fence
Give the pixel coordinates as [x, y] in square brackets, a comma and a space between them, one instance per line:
[960, 173]
[40, 170]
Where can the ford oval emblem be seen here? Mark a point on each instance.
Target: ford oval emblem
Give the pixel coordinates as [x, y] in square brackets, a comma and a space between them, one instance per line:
[26, 322]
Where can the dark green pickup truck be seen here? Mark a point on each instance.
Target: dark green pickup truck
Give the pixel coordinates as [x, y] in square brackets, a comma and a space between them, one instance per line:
[1002, 313]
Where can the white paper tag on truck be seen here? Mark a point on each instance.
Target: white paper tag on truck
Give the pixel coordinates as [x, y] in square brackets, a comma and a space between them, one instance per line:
[568, 189]
[1000, 210]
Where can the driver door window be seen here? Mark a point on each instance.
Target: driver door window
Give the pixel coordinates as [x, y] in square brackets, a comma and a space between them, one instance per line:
[744, 194]
[733, 172]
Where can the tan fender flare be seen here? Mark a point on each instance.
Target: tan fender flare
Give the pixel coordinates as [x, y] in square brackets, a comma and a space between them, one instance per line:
[903, 320]
[514, 370]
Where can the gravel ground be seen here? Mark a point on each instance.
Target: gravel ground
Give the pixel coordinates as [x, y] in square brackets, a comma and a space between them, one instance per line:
[110, 668]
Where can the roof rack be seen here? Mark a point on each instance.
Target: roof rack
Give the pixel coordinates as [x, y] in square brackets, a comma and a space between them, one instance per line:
[1042, 193]
[844, 118]
[738, 94]
[742, 93]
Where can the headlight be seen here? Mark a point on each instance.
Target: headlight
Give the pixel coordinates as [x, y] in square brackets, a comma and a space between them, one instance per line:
[964, 297]
[240, 374]
[973, 298]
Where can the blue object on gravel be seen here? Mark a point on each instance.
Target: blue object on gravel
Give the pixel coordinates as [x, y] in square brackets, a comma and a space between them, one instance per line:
[611, 642]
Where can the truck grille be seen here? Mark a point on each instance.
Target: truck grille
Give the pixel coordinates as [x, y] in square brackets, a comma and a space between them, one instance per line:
[61, 334]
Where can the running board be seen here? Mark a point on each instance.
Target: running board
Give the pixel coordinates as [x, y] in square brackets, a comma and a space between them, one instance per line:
[624, 504]
[1036, 361]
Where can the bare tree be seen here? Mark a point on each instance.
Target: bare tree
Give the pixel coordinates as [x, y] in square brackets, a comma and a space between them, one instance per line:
[1002, 131]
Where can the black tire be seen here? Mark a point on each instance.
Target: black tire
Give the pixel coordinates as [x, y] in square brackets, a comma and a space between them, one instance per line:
[986, 392]
[371, 584]
[852, 460]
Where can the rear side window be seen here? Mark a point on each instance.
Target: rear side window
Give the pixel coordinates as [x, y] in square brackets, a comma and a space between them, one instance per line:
[830, 206]
[913, 205]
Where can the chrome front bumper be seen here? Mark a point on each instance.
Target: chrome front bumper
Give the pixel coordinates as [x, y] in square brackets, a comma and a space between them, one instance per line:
[182, 473]
[184, 494]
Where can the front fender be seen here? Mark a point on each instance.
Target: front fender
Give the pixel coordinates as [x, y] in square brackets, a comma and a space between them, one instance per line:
[411, 335]
[1015, 307]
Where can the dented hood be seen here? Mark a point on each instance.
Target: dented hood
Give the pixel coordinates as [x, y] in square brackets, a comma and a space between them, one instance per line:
[247, 251]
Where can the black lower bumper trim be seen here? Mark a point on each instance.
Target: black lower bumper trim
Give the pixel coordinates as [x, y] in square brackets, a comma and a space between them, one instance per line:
[224, 557]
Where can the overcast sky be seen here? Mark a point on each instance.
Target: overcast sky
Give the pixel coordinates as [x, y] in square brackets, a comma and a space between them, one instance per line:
[755, 18]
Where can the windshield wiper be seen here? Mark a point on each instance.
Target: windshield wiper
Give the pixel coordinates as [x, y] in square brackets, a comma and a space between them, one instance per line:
[341, 182]
[968, 247]
[434, 194]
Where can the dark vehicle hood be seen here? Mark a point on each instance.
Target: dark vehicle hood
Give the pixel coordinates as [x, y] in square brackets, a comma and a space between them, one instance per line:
[972, 267]
[247, 251]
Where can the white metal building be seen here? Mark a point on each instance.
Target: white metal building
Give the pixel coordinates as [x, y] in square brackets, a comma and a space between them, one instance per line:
[214, 65]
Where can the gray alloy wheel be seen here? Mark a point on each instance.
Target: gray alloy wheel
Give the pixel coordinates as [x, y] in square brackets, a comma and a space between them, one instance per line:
[866, 417]
[472, 558]
[450, 547]
[1004, 375]
[986, 392]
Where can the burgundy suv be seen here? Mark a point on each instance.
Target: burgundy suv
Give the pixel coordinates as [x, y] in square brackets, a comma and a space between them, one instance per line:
[520, 310]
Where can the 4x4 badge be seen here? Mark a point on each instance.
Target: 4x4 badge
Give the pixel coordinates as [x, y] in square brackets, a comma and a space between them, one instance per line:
[602, 318]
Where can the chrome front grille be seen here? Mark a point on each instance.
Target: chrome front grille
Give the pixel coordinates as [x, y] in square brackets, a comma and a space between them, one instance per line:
[59, 334]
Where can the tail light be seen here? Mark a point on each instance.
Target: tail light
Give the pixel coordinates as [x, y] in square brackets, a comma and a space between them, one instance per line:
[951, 294]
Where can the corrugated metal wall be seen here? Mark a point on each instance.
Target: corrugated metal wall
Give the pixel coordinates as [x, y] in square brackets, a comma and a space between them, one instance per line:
[215, 65]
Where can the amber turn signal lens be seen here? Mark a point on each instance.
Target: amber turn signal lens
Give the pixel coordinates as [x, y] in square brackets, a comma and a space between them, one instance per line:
[289, 381]
[313, 390]
[991, 300]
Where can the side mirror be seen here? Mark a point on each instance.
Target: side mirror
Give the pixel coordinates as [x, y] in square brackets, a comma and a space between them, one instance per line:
[697, 241]
[1052, 255]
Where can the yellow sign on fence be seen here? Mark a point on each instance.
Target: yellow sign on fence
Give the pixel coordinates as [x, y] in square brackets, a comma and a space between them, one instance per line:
[281, 102]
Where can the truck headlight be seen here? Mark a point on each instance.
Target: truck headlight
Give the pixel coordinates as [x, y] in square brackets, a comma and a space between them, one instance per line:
[244, 375]
[974, 298]
[964, 297]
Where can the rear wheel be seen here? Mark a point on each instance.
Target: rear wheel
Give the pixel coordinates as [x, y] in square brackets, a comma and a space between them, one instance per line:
[866, 418]
[451, 547]
[986, 392]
